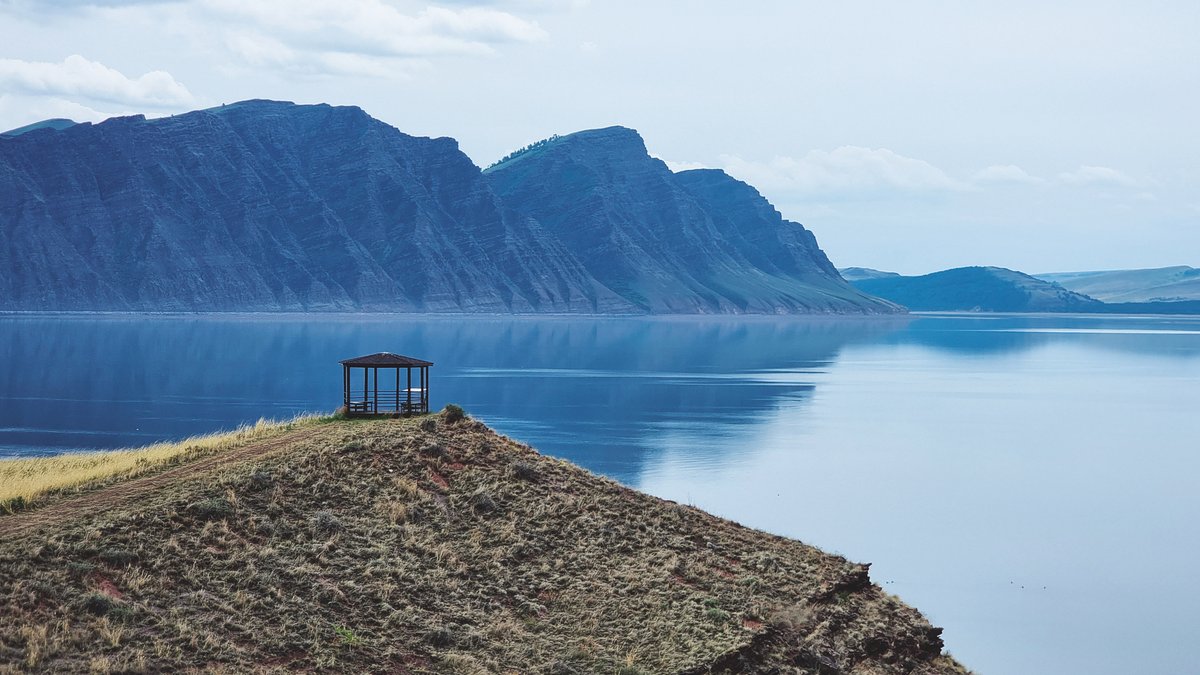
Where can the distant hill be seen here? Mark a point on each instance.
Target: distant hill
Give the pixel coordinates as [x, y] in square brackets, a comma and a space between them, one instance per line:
[271, 206]
[56, 124]
[860, 273]
[980, 289]
[1163, 284]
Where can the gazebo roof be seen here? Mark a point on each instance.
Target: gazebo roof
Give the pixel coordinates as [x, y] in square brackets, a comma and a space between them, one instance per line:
[385, 360]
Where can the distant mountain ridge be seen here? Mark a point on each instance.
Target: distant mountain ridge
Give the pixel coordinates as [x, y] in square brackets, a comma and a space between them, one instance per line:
[56, 124]
[860, 273]
[271, 206]
[1163, 284]
[979, 289]
[996, 289]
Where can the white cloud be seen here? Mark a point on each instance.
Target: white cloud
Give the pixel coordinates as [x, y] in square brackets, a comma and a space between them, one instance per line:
[1097, 176]
[848, 169]
[79, 77]
[17, 110]
[676, 167]
[1007, 173]
[367, 37]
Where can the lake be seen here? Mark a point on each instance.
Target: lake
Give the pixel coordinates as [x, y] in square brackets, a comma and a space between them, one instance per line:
[1031, 483]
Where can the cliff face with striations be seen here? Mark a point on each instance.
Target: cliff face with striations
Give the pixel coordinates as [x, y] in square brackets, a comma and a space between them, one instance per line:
[265, 205]
[689, 242]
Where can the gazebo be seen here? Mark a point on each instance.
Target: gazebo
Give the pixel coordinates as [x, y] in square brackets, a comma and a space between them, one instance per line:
[399, 400]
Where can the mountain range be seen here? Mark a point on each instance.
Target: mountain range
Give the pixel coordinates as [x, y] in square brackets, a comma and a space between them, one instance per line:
[272, 206]
[978, 289]
[997, 289]
[1163, 284]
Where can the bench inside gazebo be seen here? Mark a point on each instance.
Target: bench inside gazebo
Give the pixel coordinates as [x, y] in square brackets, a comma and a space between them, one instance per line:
[389, 393]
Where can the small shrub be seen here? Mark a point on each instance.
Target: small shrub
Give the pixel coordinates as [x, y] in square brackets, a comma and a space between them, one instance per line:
[99, 604]
[353, 446]
[713, 611]
[752, 583]
[415, 513]
[525, 470]
[346, 636]
[453, 414]
[441, 636]
[483, 502]
[79, 568]
[217, 508]
[406, 487]
[396, 511]
[428, 424]
[261, 479]
[326, 524]
[434, 450]
[13, 504]
[716, 615]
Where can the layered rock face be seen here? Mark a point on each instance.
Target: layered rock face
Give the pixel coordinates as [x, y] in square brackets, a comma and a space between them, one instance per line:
[271, 206]
[690, 242]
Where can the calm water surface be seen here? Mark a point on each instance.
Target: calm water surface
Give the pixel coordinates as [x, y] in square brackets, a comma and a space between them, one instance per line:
[1030, 483]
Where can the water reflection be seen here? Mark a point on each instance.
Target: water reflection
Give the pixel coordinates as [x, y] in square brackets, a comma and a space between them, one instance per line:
[587, 389]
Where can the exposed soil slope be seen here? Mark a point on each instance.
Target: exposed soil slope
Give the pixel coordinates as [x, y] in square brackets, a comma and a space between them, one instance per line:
[425, 546]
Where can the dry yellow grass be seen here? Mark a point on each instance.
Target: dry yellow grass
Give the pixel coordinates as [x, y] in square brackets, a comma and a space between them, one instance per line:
[27, 480]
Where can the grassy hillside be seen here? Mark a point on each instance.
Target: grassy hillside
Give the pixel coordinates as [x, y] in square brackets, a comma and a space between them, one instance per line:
[26, 482]
[980, 289]
[1164, 284]
[428, 545]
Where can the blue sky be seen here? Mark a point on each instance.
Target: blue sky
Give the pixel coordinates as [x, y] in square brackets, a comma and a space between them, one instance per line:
[908, 136]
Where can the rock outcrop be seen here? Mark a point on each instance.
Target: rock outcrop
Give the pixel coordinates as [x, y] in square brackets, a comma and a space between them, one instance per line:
[690, 242]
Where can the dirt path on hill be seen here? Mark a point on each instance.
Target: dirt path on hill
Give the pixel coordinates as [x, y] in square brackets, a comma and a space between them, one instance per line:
[22, 522]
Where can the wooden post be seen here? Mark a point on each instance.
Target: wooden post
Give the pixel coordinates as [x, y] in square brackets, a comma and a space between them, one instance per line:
[408, 390]
[375, 396]
[425, 387]
[396, 408]
[346, 388]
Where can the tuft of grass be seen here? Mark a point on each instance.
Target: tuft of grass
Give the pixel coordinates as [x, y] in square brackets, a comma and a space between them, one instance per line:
[216, 508]
[453, 414]
[326, 524]
[524, 470]
[346, 637]
[25, 481]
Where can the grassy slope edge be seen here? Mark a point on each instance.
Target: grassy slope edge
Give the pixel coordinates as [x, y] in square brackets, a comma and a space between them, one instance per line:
[431, 546]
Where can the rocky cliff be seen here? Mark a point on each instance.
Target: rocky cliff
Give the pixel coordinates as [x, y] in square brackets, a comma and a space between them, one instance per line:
[264, 205]
[690, 242]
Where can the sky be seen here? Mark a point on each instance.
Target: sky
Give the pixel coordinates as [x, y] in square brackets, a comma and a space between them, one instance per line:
[909, 136]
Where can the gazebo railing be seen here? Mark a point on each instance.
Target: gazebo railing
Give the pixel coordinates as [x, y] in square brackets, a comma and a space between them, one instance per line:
[392, 400]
